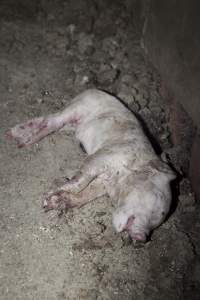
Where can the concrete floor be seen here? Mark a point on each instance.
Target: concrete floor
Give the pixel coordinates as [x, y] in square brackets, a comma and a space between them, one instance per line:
[48, 54]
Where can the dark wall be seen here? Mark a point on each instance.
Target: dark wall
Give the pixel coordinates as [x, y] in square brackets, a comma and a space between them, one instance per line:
[171, 38]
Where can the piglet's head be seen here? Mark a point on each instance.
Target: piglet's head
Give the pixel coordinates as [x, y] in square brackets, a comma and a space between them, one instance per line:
[124, 222]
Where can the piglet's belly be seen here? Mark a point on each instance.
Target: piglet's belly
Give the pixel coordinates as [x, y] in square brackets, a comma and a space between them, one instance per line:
[98, 133]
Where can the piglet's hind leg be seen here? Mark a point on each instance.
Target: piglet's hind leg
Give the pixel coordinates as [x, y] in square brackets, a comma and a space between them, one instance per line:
[34, 130]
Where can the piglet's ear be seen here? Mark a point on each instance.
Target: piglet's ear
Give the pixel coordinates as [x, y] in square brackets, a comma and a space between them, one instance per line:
[121, 220]
[137, 236]
[129, 223]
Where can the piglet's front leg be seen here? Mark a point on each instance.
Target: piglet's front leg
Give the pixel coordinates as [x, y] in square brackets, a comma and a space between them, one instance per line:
[93, 168]
[62, 200]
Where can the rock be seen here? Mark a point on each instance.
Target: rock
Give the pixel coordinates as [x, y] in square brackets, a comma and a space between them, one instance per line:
[146, 114]
[110, 45]
[141, 100]
[134, 106]
[107, 76]
[165, 135]
[157, 111]
[120, 58]
[39, 100]
[71, 29]
[70, 80]
[85, 43]
[186, 200]
[83, 78]
[127, 79]
[45, 93]
[185, 187]
[128, 99]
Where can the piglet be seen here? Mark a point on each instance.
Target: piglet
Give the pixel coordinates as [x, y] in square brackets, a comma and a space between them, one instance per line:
[121, 162]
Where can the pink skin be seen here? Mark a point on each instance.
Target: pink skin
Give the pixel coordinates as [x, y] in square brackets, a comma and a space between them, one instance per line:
[104, 126]
[32, 131]
[74, 121]
[138, 236]
[62, 199]
[28, 133]
[59, 200]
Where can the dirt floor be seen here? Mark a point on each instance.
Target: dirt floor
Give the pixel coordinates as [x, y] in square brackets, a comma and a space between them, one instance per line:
[49, 53]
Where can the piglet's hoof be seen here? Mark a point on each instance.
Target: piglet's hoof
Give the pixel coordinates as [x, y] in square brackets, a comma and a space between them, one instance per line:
[59, 200]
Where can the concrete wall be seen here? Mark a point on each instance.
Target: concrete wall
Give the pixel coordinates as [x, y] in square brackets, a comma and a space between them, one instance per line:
[171, 39]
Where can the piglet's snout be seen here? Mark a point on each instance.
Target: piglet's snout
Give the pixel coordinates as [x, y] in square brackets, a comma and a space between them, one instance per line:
[140, 237]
